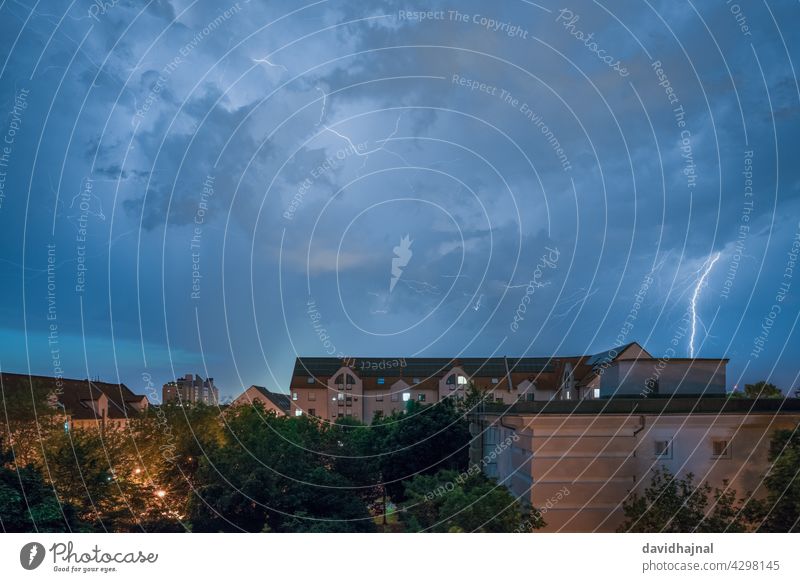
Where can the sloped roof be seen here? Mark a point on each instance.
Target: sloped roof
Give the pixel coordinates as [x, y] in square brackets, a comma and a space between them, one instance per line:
[280, 400]
[76, 395]
[421, 367]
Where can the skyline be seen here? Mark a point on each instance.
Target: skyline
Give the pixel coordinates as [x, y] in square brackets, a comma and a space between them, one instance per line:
[218, 189]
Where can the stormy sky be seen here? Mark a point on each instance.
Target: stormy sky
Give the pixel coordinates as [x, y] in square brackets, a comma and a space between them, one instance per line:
[214, 187]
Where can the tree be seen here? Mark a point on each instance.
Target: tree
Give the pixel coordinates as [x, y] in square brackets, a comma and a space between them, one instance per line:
[462, 502]
[779, 511]
[28, 504]
[762, 389]
[281, 474]
[421, 441]
[676, 505]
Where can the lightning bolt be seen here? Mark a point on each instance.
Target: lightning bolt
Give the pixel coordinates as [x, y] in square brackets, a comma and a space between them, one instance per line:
[34, 551]
[266, 61]
[693, 303]
[324, 104]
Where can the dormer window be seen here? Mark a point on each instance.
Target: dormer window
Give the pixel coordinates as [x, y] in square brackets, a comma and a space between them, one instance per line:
[456, 381]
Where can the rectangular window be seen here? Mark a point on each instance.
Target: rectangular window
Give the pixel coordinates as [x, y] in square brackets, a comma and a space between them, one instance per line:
[415, 380]
[349, 412]
[312, 396]
[340, 397]
[310, 380]
[663, 449]
[495, 380]
[721, 449]
[381, 380]
[312, 411]
[294, 395]
[406, 396]
[379, 398]
[596, 392]
[298, 412]
[499, 400]
[395, 397]
[420, 398]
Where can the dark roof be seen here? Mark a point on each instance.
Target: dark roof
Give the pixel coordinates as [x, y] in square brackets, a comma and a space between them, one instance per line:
[76, 395]
[421, 367]
[664, 405]
[280, 400]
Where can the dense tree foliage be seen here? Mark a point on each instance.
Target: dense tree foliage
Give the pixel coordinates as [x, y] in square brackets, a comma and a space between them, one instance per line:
[762, 389]
[671, 504]
[779, 511]
[462, 502]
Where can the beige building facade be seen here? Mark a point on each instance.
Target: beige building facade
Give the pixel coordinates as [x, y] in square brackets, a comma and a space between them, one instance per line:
[596, 452]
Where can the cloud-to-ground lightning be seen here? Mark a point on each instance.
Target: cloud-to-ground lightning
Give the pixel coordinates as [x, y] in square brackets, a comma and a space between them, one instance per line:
[693, 303]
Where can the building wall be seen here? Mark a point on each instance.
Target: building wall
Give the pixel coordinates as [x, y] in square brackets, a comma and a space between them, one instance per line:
[600, 458]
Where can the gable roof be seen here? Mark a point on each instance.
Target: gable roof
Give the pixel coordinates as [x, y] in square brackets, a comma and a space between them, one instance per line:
[280, 400]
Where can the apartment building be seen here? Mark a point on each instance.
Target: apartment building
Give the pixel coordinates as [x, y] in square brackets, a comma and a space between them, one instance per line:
[190, 390]
[577, 461]
[360, 388]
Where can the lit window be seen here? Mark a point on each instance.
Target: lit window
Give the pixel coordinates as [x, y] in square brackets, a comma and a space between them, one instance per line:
[721, 449]
[596, 392]
[341, 397]
[462, 380]
[420, 397]
[495, 380]
[415, 380]
[406, 396]
[663, 449]
[298, 412]
[294, 395]
[381, 380]
[312, 396]
[379, 398]
[310, 380]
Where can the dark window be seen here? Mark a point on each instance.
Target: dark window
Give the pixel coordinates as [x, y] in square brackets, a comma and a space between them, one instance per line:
[663, 449]
[420, 398]
[312, 411]
[721, 449]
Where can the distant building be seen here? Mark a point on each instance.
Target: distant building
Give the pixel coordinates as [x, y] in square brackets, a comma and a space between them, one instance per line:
[275, 401]
[84, 403]
[190, 390]
[360, 388]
